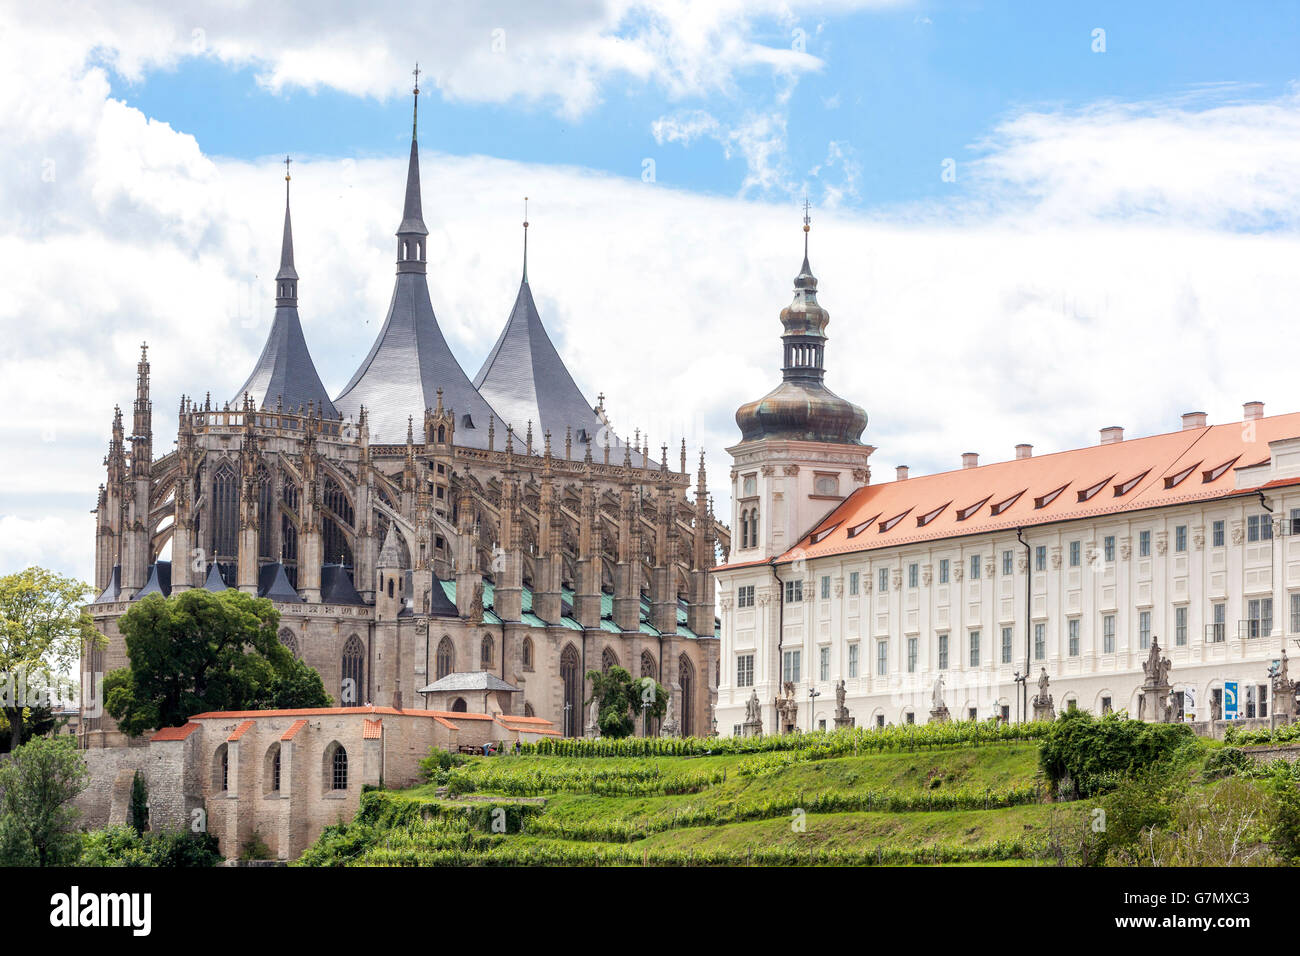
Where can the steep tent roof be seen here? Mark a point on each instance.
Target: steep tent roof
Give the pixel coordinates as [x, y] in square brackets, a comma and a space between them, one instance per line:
[526, 380]
[410, 359]
[284, 372]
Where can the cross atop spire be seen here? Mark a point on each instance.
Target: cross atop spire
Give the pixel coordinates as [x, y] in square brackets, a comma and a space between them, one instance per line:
[287, 161]
[415, 90]
[525, 238]
[286, 280]
[807, 226]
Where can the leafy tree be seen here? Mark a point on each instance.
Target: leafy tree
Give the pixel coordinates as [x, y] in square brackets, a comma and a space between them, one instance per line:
[43, 626]
[37, 784]
[623, 698]
[1088, 755]
[38, 721]
[198, 651]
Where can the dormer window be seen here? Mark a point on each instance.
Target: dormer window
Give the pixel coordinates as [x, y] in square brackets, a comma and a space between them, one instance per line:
[466, 421]
[1005, 503]
[1172, 481]
[1091, 490]
[964, 513]
[1042, 501]
[1213, 474]
[925, 519]
[857, 529]
[887, 525]
[820, 536]
[1124, 487]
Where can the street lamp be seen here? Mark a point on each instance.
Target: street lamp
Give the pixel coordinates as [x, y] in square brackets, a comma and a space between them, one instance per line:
[1020, 695]
[568, 726]
[813, 694]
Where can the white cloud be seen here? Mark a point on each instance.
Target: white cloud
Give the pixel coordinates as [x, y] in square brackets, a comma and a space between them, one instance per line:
[1062, 307]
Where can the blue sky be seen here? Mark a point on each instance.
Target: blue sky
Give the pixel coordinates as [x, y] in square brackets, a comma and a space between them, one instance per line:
[1119, 246]
[903, 88]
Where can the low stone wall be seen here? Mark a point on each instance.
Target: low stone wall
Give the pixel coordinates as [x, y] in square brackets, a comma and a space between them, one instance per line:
[1218, 728]
[1268, 753]
[172, 795]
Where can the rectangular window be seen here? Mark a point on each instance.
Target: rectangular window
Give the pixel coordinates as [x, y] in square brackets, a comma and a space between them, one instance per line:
[943, 570]
[884, 580]
[853, 584]
[745, 670]
[1259, 613]
[1216, 534]
[909, 718]
[974, 648]
[1218, 630]
[882, 658]
[974, 567]
[1144, 629]
[1295, 613]
[1076, 550]
[1295, 520]
[1006, 645]
[790, 666]
[1073, 628]
[943, 652]
[1040, 558]
[826, 587]
[1257, 700]
[824, 664]
[1108, 634]
[1008, 562]
[1180, 539]
[745, 596]
[1259, 528]
[1106, 706]
[853, 660]
[911, 655]
[913, 575]
[1108, 548]
[1144, 544]
[1180, 626]
[793, 592]
[1040, 642]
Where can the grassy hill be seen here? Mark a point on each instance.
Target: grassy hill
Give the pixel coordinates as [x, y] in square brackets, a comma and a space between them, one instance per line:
[917, 799]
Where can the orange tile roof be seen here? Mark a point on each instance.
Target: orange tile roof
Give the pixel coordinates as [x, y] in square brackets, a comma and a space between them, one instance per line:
[528, 725]
[372, 729]
[369, 709]
[175, 733]
[296, 726]
[240, 730]
[1195, 464]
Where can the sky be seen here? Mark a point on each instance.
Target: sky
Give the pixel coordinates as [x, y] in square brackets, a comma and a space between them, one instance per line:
[1029, 221]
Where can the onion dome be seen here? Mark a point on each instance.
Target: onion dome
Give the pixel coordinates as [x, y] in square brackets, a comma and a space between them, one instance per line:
[802, 407]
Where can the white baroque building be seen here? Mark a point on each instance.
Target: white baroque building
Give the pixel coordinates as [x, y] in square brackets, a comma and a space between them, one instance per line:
[1070, 563]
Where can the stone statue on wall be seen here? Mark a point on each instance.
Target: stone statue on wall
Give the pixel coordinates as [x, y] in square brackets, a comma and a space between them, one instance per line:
[1284, 702]
[753, 725]
[1156, 668]
[1044, 707]
[842, 718]
[668, 727]
[1155, 694]
[787, 708]
[938, 709]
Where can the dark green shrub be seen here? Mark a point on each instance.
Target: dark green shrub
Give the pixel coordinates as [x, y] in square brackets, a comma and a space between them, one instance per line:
[1083, 755]
[1226, 762]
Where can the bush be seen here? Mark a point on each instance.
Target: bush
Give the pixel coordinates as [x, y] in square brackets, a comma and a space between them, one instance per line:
[1226, 762]
[122, 846]
[435, 767]
[1084, 755]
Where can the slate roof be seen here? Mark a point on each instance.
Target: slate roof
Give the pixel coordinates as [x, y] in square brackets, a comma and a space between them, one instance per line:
[336, 586]
[410, 359]
[214, 581]
[285, 372]
[159, 582]
[273, 583]
[467, 681]
[524, 378]
[114, 589]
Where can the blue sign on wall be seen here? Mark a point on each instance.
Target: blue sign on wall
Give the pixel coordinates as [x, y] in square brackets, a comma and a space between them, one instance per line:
[1229, 700]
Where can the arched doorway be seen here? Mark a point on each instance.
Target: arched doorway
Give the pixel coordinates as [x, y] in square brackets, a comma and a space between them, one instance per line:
[572, 682]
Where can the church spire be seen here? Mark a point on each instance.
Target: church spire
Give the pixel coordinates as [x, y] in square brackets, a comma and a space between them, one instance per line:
[412, 232]
[286, 280]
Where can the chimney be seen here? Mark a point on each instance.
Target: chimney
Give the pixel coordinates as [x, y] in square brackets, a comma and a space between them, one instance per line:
[1193, 420]
[902, 473]
[1252, 411]
[970, 459]
[1111, 434]
[1024, 451]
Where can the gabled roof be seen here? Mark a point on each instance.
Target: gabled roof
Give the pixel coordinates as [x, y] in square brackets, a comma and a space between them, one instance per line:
[1195, 464]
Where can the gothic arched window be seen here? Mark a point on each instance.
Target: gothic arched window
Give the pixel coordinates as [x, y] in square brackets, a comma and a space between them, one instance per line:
[446, 661]
[485, 652]
[572, 682]
[459, 707]
[265, 514]
[271, 770]
[225, 512]
[527, 653]
[289, 641]
[221, 769]
[351, 689]
[607, 660]
[336, 767]
[744, 528]
[686, 678]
